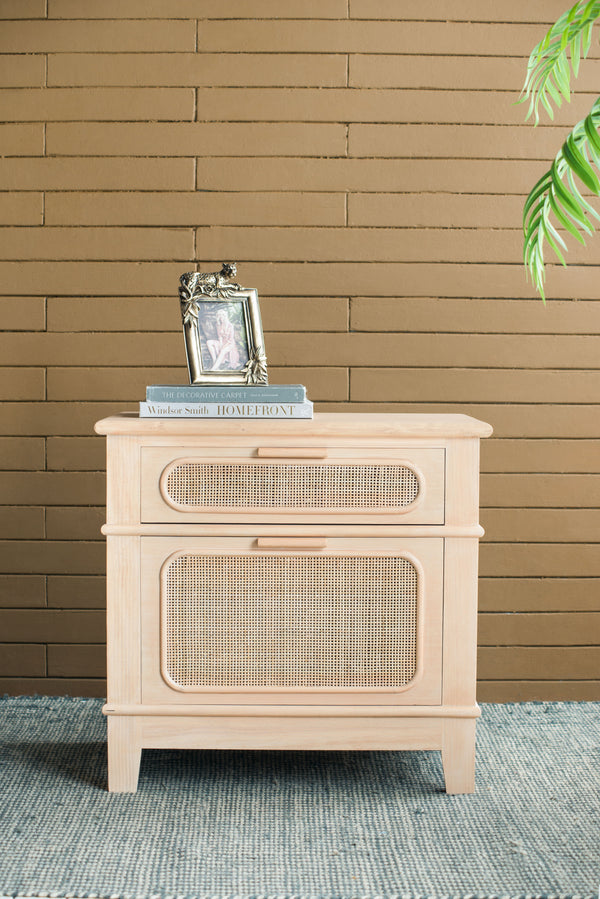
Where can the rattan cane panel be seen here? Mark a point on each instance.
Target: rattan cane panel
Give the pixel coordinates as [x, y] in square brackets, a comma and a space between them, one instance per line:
[289, 621]
[300, 486]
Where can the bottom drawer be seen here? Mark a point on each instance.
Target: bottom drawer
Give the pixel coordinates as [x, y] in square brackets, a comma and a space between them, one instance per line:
[304, 620]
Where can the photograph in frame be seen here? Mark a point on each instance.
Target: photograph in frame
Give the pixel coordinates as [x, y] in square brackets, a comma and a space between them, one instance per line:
[222, 329]
[223, 336]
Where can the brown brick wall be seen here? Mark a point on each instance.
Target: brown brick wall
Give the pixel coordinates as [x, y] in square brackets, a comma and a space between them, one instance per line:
[367, 173]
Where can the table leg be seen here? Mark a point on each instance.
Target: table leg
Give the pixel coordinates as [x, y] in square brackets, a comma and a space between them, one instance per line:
[458, 755]
[124, 754]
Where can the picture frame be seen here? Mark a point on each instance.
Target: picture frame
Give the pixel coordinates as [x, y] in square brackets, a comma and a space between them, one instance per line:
[222, 329]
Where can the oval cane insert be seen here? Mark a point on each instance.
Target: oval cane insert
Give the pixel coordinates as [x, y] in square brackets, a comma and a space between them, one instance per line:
[191, 485]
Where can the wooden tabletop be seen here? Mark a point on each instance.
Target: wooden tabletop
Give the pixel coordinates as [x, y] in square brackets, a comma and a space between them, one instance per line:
[324, 424]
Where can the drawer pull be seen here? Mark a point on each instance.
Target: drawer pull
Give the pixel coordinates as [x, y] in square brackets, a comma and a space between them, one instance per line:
[291, 542]
[287, 452]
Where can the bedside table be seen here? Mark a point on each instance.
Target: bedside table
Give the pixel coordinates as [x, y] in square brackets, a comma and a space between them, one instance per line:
[299, 584]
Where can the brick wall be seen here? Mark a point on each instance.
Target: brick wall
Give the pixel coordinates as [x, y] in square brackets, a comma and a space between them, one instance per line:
[367, 174]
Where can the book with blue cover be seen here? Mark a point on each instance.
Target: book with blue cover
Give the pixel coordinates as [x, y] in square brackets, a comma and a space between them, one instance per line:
[223, 393]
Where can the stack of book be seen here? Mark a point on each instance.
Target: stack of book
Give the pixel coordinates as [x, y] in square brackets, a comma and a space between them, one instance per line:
[222, 401]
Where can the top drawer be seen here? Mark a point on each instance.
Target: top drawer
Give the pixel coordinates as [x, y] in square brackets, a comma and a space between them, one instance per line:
[300, 485]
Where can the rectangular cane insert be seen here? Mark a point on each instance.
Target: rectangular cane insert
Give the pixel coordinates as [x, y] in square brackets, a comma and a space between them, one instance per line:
[289, 621]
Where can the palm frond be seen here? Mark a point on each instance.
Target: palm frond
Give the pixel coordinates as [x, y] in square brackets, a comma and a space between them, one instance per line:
[548, 79]
[556, 200]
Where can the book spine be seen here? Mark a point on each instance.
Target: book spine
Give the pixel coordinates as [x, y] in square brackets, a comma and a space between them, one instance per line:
[276, 394]
[226, 410]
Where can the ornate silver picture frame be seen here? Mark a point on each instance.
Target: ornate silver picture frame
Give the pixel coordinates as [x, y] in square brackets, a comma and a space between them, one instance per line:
[222, 329]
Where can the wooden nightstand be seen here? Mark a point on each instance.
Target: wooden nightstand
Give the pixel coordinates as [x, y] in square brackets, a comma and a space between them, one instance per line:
[306, 584]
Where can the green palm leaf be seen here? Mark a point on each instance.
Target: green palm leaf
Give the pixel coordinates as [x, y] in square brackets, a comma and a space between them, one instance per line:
[556, 200]
[548, 78]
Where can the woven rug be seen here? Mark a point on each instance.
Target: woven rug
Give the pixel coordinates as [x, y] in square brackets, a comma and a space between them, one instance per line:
[309, 825]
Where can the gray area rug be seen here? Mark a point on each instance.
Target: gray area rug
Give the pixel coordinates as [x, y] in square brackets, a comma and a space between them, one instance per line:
[339, 825]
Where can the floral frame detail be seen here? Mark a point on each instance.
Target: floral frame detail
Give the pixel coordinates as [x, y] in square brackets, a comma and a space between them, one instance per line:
[222, 331]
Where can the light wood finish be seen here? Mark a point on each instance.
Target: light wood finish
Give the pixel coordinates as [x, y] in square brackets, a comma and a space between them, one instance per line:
[291, 542]
[290, 733]
[123, 506]
[290, 452]
[424, 688]
[199, 530]
[123, 619]
[424, 464]
[458, 755]
[462, 481]
[460, 620]
[298, 711]
[170, 687]
[357, 425]
[124, 753]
